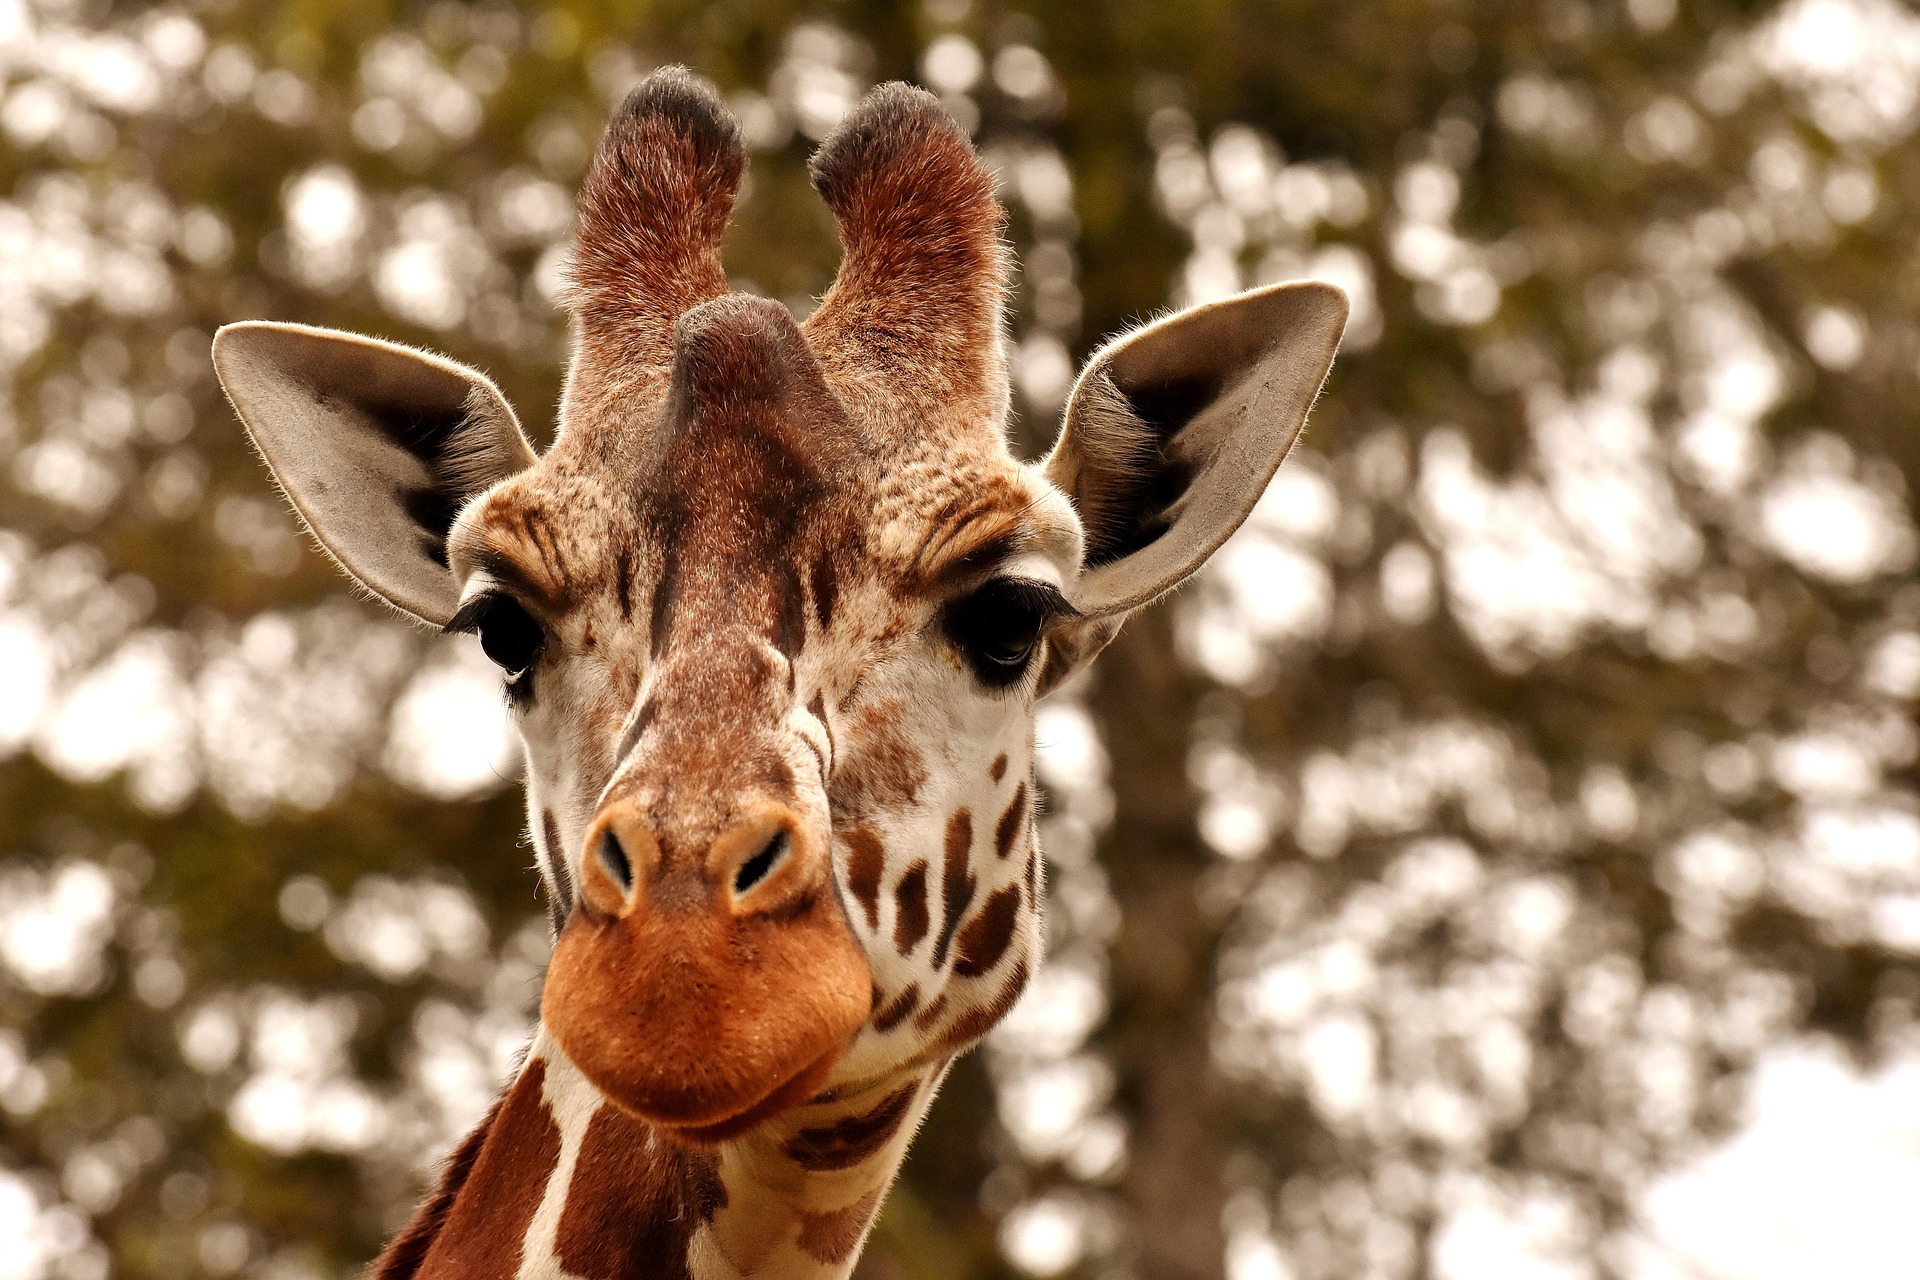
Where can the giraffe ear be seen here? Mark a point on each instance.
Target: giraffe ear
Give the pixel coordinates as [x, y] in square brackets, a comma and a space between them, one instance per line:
[1170, 438]
[377, 445]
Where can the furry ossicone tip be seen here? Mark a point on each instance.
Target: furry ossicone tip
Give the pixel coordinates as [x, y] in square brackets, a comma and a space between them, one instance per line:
[653, 210]
[672, 155]
[898, 138]
[687, 103]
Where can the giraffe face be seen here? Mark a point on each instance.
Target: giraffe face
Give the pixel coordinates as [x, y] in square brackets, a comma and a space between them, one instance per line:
[775, 674]
[773, 611]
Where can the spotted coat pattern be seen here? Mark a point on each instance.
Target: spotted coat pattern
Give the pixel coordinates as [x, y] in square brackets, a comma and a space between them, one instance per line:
[738, 551]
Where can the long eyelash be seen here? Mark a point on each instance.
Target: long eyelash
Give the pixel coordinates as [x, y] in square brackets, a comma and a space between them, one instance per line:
[466, 619]
[1042, 597]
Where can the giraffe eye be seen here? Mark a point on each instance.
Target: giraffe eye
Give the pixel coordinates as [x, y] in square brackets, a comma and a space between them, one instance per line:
[509, 636]
[997, 628]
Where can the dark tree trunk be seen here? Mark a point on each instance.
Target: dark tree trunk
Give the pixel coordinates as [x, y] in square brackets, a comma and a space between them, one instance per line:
[1162, 961]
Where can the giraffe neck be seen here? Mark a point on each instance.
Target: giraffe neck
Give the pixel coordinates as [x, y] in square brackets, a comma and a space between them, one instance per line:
[558, 1183]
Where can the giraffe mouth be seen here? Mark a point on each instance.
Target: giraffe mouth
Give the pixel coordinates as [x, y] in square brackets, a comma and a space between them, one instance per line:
[797, 1090]
[703, 1024]
[681, 1103]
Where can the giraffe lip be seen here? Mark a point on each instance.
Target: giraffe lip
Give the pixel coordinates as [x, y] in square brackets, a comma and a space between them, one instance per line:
[702, 1024]
[784, 1097]
[701, 1117]
[721, 1118]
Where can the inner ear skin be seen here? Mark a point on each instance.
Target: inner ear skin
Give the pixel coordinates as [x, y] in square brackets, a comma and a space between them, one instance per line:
[1147, 497]
[1152, 508]
[427, 433]
[1171, 403]
[433, 510]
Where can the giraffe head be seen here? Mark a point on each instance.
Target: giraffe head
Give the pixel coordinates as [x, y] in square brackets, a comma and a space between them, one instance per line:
[773, 611]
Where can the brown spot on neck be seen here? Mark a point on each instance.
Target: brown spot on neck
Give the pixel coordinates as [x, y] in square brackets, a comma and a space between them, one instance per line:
[910, 914]
[957, 881]
[849, 1142]
[634, 1203]
[866, 860]
[832, 1237]
[1005, 830]
[894, 1012]
[976, 1022]
[999, 767]
[987, 935]
[932, 1014]
[473, 1231]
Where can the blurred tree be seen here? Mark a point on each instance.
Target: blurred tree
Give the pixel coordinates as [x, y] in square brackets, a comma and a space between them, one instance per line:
[1425, 879]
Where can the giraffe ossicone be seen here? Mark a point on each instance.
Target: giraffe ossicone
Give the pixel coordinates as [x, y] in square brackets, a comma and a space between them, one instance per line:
[772, 614]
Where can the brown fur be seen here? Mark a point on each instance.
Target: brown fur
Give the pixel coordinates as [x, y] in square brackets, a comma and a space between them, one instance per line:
[882, 768]
[913, 319]
[1008, 828]
[634, 990]
[957, 881]
[832, 1237]
[910, 901]
[402, 1257]
[988, 934]
[866, 863]
[737, 481]
[739, 533]
[479, 1237]
[931, 1015]
[825, 592]
[980, 1019]
[742, 517]
[854, 1140]
[981, 525]
[652, 211]
[634, 1203]
[895, 1011]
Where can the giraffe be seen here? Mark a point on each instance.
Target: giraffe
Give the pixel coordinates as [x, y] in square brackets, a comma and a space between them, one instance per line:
[771, 613]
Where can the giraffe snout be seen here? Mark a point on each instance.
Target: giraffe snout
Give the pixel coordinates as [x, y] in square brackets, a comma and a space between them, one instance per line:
[768, 862]
[708, 982]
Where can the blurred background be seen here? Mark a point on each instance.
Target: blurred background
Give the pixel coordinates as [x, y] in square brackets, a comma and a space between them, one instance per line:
[1502, 864]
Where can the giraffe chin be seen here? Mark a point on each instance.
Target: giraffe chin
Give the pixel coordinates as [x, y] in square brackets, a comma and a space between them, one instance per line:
[706, 1027]
[783, 1099]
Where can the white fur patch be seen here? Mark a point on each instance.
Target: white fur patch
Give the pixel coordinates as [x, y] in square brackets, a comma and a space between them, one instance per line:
[572, 1102]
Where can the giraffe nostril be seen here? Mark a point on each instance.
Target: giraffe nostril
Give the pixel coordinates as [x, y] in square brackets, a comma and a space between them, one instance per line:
[614, 859]
[761, 864]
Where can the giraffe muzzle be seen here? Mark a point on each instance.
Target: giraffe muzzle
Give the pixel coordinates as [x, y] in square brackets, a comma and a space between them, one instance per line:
[708, 990]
